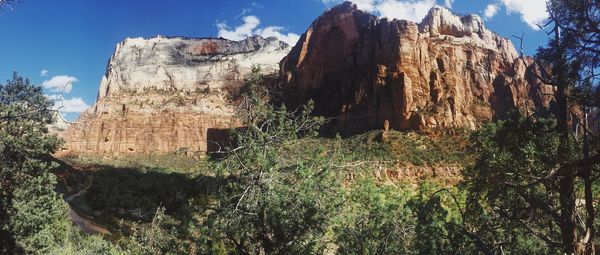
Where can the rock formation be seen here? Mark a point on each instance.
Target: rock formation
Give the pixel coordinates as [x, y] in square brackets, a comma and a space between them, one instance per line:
[162, 95]
[447, 71]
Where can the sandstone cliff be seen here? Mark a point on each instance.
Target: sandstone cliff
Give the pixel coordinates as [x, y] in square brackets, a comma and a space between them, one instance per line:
[447, 71]
[162, 95]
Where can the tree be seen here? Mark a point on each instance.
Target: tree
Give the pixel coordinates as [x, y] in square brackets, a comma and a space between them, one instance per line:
[513, 186]
[33, 217]
[507, 180]
[374, 219]
[24, 149]
[577, 40]
[152, 239]
[539, 167]
[573, 54]
[270, 205]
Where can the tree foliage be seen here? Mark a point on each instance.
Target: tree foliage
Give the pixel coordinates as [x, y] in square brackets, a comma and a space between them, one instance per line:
[508, 184]
[33, 216]
[269, 206]
[538, 175]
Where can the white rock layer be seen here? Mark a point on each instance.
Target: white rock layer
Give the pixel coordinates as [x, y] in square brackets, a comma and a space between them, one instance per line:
[184, 64]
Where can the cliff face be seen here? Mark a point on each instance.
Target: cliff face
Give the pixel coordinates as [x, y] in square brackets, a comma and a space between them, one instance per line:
[447, 71]
[162, 95]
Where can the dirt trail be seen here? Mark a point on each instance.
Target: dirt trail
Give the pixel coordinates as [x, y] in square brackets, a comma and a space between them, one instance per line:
[84, 224]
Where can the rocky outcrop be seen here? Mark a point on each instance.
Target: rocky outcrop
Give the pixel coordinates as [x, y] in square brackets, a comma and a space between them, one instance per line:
[162, 94]
[59, 126]
[447, 71]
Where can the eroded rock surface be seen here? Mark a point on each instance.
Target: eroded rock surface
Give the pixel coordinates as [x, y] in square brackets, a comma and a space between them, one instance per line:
[447, 71]
[162, 95]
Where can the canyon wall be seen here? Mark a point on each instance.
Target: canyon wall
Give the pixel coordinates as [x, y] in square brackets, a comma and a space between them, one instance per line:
[162, 95]
[448, 71]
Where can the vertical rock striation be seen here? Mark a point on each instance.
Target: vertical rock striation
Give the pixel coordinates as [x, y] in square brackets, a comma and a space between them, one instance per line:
[447, 71]
[161, 95]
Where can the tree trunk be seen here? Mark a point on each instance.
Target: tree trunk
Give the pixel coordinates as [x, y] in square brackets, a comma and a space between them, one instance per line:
[566, 179]
[589, 238]
[568, 213]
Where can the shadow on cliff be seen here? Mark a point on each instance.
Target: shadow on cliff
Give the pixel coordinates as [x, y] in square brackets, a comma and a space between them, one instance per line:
[217, 139]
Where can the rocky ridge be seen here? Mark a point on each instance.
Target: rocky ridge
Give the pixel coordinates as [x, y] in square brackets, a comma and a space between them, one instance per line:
[161, 95]
[447, 71]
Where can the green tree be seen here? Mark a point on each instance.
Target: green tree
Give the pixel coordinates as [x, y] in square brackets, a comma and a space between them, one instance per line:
[270, 205]
[548, 170]
[374, 219]
[440, 227]
[24, 158]
[574, 55]
[152, 239]
[33, 216]
[514, 158]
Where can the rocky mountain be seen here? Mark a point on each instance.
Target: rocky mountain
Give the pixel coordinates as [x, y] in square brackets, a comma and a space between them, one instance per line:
[164, 94]
[447, 71]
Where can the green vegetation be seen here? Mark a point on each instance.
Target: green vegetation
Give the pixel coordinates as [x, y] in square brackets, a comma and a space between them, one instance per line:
[529, 185]
[162, 163]
[281, 189]
[535, 181]
[393, 146]
[32, 215]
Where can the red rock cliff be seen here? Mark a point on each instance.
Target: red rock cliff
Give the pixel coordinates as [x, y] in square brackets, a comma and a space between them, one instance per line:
[447, 71]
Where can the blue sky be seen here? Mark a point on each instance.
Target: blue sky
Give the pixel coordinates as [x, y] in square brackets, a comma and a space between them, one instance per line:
[55, 42]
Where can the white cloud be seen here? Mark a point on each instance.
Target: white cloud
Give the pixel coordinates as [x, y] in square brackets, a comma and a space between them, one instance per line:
[44, 72]
[490, 11]
[70, 105]
[408, 10]
[75, 104]
[60, 83]
[365, 5]
[257, 5]
[533, 12]
[448, 3]
[289, 38]
[413, 10]
[250, 28]
[241, 32]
